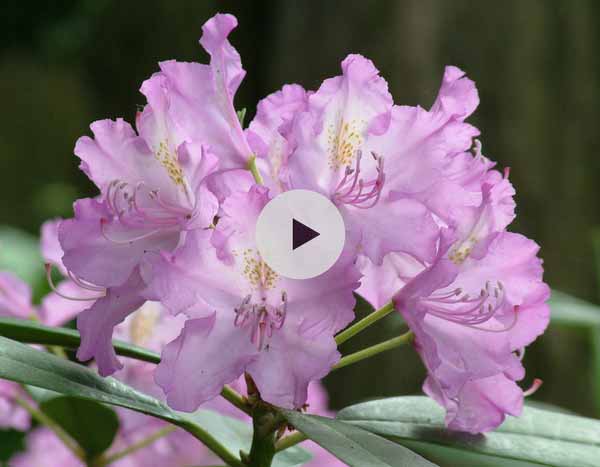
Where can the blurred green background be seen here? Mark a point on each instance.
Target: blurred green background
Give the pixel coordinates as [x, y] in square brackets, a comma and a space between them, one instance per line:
[66, 63]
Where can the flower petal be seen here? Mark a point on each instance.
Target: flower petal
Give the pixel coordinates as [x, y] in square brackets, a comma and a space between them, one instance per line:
[294, 357]
[102, 251]
[15, 297]
[96, 324]
[195, 366]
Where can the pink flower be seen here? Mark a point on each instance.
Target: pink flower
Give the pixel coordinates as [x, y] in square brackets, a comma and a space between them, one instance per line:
[153, 190]
[277, 329]
[15, 297]
[12, 415]
[346, 148]
[474, 309]
[44, 449]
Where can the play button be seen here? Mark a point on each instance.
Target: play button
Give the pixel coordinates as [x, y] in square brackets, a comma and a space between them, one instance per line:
[300, 234]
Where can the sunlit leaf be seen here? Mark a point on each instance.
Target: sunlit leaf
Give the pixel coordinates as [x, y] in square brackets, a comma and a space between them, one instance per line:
[26, 365]
[354, 446]
[572, 311]
[538, 437]
[20, 254]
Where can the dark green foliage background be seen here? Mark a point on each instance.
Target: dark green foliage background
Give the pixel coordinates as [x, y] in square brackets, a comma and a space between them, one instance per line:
[64, 64]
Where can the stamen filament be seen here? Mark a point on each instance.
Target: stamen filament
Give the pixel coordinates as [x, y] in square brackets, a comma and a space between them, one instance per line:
[537, 383]
[125, 241]
[48, 268]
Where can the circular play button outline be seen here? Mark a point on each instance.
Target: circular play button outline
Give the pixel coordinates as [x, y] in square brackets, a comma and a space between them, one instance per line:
[300, 234]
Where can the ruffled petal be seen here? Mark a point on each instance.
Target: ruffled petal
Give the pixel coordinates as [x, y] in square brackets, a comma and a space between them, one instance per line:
[50, 247]
[96, 324]
[380, 283]
[103, 251]
[458, 97]
[295, 356]
[57, 311]
[403, 226]
[201, 96]
[481, 405]
[270, 136]
[195, 366]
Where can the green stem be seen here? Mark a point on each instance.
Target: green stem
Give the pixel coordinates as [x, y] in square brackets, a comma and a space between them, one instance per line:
[265, 423]
[235, 398]
[135, 447]
[364, 323]
[61, 434]
[254, 170]
[289, 441]
[405, 338]
[213, 444]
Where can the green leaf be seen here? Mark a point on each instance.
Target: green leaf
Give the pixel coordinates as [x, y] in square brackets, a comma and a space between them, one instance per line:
[31, 332]
[92, 425]
[595, 359]
[237, 436]
[596, 248]
[355, 446]
[20, 253]
[26, 365]
[537, 438]
[572, 311]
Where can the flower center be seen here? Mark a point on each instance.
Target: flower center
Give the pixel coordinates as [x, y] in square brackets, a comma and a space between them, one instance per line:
[343, 140]
[353, 190]
[143, 323]
[257, 272]
[169, 161]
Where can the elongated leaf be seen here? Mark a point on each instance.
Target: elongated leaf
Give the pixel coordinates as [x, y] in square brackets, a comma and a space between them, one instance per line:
[595, 358]
[26, 365]
[356, 447]
[572, 311]
[31, 332]
[93, 425]
[538, 437]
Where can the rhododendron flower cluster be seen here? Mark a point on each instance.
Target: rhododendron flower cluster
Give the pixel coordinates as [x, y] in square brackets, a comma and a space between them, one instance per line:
[425, 213]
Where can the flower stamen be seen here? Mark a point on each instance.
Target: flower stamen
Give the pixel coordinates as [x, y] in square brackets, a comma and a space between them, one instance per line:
[351, 188]
[459, 308]
[48, 268]
[263, 318]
